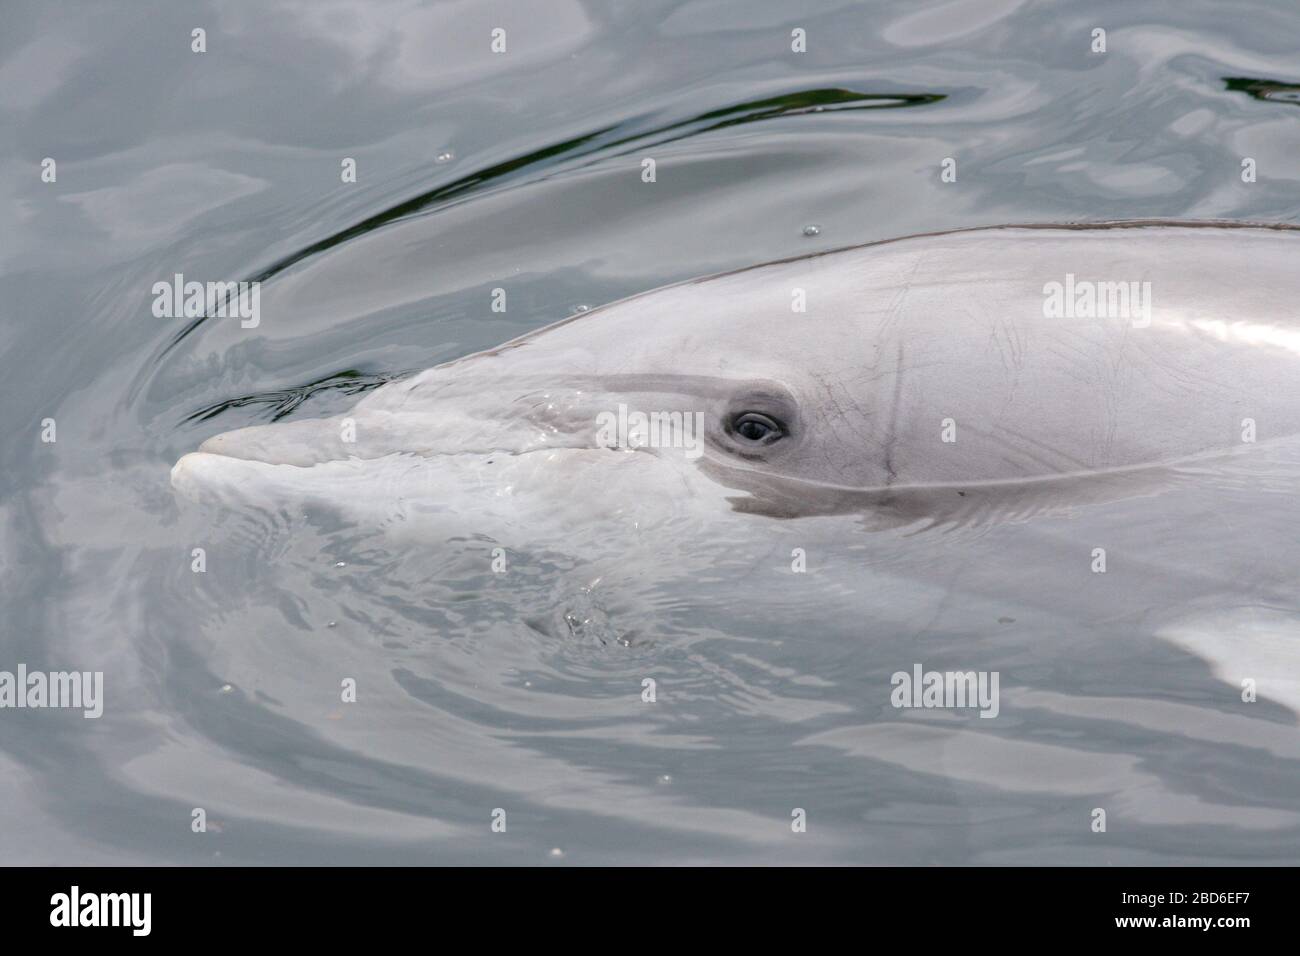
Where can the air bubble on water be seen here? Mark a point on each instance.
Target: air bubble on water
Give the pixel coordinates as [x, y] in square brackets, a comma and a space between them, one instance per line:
[446, 156]
[812, 229]
[227, 689]
[579, 309]
[555, 853]
[332, 624]
[665, 779]
[341, 564]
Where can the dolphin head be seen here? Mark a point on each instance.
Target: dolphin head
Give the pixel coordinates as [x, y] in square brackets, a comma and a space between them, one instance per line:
[912, 379]
[705, 389]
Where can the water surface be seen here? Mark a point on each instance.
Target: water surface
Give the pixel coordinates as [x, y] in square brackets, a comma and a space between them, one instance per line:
[479, 691]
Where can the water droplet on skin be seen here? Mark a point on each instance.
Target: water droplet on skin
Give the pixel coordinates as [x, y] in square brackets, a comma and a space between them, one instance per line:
[446, 156]
[812, 230]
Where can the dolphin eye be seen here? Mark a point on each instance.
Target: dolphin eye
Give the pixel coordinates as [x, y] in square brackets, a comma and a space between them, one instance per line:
[757, 428]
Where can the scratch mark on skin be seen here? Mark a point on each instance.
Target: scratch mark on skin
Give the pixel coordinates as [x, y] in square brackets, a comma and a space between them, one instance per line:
[891, 473]
[895, 313]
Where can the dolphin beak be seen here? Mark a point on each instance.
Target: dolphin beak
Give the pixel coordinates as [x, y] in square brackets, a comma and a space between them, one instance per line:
[226, 444]
[234, 462]
[285, 443]
[197, 474]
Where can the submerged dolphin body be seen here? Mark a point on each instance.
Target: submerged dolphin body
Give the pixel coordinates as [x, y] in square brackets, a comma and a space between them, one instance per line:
[994, 371]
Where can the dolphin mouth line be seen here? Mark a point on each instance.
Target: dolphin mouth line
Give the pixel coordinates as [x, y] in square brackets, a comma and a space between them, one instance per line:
[412, 456]
[730, 468]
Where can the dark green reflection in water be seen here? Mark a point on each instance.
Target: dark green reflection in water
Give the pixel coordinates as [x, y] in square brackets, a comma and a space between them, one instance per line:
[1273, 91]
[634, 134]
[285, 400]
[606, 141]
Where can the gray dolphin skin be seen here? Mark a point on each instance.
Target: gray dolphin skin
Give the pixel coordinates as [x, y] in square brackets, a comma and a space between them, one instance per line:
[997, 370]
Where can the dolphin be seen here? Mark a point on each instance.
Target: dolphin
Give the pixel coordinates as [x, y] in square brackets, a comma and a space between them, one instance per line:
[976, 374]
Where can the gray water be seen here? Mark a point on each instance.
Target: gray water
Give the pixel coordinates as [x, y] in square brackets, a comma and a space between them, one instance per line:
[523, 692]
